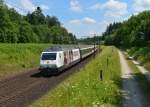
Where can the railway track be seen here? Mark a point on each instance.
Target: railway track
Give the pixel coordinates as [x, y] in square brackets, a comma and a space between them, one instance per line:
[23, 89]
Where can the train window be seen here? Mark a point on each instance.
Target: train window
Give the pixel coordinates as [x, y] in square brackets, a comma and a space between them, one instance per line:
[85, 51]
[49, 56]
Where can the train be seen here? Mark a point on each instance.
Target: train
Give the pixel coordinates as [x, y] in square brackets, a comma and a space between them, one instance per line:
[58, 58]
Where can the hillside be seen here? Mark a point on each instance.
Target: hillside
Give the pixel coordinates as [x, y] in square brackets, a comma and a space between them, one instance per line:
[132, 34]
[34, 27]
[15, 58]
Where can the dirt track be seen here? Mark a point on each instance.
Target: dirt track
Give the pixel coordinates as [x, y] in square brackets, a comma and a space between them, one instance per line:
[23, 89]
[133, 96]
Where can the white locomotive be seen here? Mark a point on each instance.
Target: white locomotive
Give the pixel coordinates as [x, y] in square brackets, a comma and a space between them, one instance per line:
[58, 58]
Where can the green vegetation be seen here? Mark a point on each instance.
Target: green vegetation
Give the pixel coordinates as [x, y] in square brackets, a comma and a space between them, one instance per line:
[85, 89]
[142, 55]
[132, 32]
[35, 27]
[91, 40]
[15, 58]
[144, 84]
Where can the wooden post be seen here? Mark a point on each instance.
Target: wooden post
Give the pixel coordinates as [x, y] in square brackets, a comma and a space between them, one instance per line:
[112, 50]
[107, 61]
[94, 46]
[101, 75]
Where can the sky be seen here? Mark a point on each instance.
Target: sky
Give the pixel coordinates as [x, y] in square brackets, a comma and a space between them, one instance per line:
[84, 17]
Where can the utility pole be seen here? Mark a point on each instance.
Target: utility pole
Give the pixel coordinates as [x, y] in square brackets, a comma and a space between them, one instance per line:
[94, 45]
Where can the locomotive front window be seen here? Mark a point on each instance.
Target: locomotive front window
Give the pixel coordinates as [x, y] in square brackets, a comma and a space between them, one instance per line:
[49, 56]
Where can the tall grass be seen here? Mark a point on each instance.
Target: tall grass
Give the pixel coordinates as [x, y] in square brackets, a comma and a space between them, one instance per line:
[142, 54]
[85, 89]
[17, 57]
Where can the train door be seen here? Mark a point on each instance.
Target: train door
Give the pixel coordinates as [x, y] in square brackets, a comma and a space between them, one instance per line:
[70, 56]
[66, 57]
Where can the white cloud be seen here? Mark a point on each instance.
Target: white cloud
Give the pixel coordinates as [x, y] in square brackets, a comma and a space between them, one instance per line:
[115, 8]
[75, 6]
[75, 21]
[28, 5]
[88, 20]
[85, 20]
[112, 8]
[83, 30]
[85, 26]
[142, 2]
[18, 9]
[25, 6]
[115, 14]
[44, 7]
[115, 5]
[96, 6]
[141, 5]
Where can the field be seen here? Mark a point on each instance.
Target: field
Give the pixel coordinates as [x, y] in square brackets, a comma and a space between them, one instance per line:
[85, 88]
[16, 58]
[142, 55]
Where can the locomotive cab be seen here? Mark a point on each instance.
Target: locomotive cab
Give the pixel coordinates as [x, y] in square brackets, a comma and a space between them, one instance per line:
[51, 60]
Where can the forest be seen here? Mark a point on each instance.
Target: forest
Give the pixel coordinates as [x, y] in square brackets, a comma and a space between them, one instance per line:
[96, 40]
[133, 35]
[34, 27]
[133, 32]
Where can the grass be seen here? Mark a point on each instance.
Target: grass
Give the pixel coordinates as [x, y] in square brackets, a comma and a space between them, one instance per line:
[15, 58]
[84, 89]
[142, 54]
[144, 84]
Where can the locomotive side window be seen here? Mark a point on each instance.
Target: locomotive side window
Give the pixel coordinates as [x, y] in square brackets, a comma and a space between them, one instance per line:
[49, 56]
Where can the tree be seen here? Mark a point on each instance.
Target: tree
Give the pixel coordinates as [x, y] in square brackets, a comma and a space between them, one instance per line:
[52, 21]
[26, 33]
[133, 32]
[33, 27]
[36, 17]
[42, 31]
[2, 36]
[1, 2]
[7, 29]
[14, 15]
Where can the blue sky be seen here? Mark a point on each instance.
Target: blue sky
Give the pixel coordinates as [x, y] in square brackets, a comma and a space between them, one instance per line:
[84, 17]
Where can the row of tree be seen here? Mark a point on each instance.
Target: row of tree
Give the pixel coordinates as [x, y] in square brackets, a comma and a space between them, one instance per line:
[91, 40]
[34, 27]
[133, 32]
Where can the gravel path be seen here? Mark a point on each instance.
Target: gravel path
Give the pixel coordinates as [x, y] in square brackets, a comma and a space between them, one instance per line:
[132, 96]
[142, 70]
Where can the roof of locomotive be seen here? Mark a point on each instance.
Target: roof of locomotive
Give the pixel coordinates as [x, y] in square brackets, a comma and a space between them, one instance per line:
[65, 47]
[60, 48]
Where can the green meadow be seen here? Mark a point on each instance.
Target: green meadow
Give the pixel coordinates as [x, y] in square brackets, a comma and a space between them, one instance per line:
[15, 58]
[85, 88]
